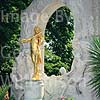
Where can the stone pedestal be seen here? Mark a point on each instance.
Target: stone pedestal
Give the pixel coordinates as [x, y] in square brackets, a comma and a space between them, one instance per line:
[34, 90]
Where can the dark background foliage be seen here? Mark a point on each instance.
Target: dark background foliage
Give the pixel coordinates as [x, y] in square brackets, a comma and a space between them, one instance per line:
[10, 31]
[59, 35]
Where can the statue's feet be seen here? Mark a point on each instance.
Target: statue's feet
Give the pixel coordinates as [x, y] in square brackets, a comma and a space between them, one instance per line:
[36, 77]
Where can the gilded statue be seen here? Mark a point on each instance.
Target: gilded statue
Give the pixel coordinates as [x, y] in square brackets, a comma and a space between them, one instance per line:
[36, 41]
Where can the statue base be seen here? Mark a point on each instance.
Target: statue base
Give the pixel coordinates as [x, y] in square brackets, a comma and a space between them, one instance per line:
[34, 90]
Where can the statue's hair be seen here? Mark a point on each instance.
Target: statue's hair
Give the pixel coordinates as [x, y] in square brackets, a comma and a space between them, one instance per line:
[37, 27]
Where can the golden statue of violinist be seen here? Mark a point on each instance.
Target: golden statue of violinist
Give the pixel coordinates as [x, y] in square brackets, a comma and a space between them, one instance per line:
[36, 41]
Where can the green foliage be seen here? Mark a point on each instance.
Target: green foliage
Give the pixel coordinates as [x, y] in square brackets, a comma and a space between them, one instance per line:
[94, 62]
[3, 91]
[58, 36]
[10, 32]
[70, 98]
[52, 63]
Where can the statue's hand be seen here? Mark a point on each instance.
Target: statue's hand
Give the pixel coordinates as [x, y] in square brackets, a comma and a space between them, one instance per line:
[22, 40]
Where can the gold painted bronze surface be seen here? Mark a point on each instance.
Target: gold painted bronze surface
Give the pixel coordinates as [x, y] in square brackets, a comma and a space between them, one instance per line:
[36, 41]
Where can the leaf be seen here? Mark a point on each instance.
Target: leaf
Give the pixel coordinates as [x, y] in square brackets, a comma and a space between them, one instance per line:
[94, 63]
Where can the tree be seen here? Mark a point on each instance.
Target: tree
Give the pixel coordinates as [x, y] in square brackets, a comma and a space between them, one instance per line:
[94, 63]
[58, 36]
[10, 31]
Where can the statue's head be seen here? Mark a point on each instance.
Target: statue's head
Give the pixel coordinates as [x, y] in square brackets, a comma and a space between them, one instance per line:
[37, 29]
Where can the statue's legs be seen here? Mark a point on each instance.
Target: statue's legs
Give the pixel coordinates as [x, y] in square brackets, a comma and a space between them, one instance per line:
[36, 70]
[36, 73]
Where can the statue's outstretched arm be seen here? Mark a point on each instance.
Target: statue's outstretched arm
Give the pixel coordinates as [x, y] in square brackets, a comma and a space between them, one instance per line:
[26, 40]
